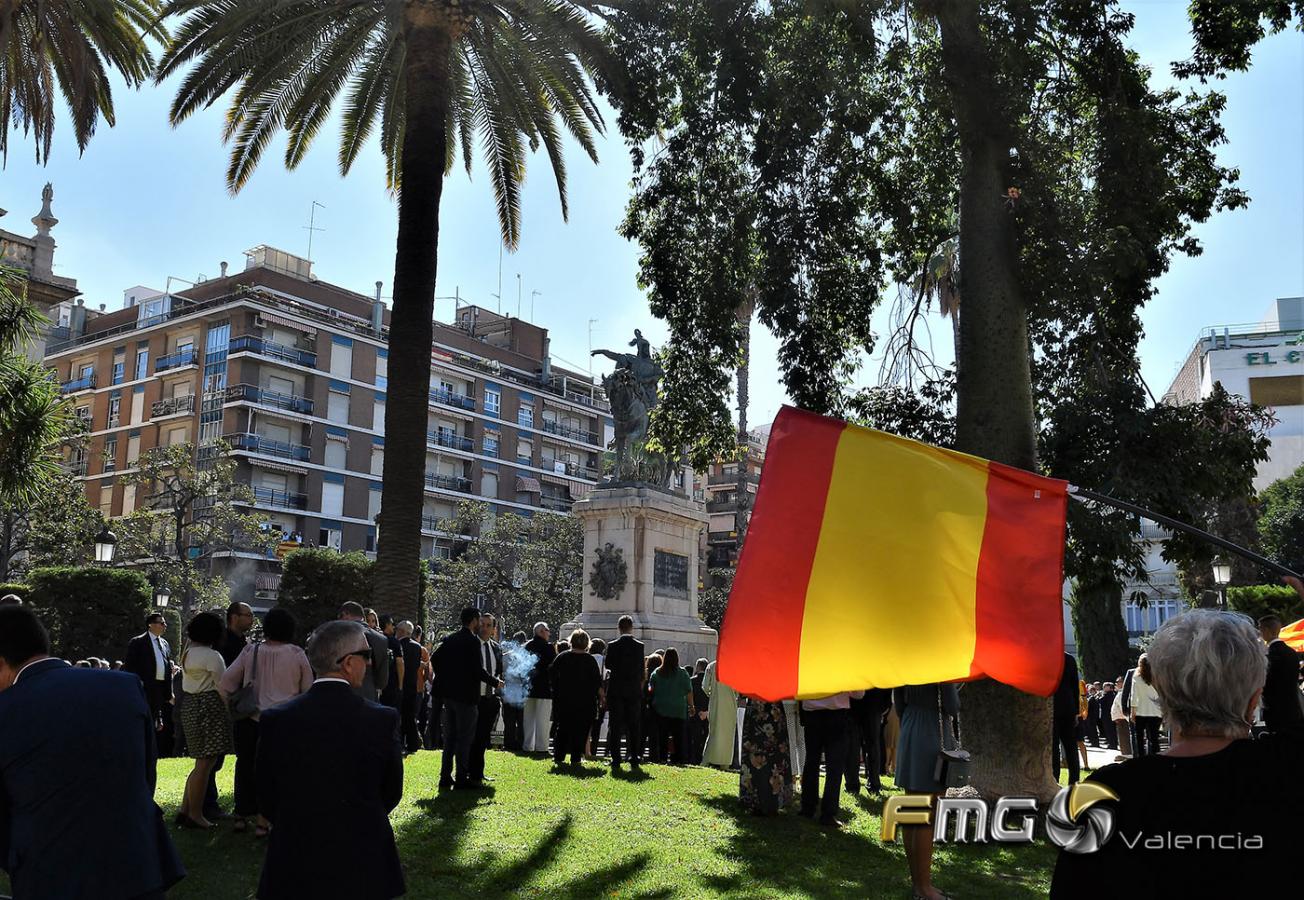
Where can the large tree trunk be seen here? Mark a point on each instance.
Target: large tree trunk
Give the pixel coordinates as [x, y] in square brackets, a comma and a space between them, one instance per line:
[1006, 730]
[429, 42]
[1102, 636]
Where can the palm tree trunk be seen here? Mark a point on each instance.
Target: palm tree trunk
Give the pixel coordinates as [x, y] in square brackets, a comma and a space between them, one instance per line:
[1006, 730]
[425, 140]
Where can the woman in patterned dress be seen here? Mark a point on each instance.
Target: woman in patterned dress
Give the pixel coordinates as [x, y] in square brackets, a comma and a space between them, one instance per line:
[204, 715]
[765, 785]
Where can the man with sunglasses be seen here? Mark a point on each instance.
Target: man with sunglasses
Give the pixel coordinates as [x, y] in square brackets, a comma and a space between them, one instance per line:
[330, 769]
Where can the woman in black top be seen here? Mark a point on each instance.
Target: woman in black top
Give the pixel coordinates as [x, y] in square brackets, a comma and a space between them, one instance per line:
[1210, 816]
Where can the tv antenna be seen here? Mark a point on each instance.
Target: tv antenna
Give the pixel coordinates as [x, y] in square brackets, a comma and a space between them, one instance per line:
[312, 226]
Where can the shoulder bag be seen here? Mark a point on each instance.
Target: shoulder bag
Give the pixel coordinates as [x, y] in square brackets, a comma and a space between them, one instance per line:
[951, 770]
[244, 700]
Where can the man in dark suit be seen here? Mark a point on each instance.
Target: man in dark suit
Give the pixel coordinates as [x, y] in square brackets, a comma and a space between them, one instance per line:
[1281, 695]
[77, 756]
[377, 675]
[1107, 728]
[410, 653]
[460, 671]
[626, 678]
[491, 657]
[1064, 721]
[330, 770]
[1092, 723]
[149, 658]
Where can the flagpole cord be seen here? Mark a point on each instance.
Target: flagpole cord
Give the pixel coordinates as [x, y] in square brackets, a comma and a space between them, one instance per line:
[1084, 495]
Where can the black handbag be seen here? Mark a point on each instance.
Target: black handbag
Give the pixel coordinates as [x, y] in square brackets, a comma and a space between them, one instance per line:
[244, 700]
[951, 770]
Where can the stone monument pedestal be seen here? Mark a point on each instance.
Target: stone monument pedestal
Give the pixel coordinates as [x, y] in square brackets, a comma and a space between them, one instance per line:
[657, 535]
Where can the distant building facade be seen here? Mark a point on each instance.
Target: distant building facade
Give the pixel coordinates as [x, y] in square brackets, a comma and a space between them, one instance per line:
[33, 256]
[292, 373]
[718, 488]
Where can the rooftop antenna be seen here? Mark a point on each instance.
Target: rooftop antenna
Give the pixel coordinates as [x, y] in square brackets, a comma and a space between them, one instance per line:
[499, 295]
[311, 227]
[518, 295]
[533, 294]
[591, 322]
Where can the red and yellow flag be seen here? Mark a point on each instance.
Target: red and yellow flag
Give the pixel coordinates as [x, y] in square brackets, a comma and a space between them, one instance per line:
[1293, 635]
[876, 561]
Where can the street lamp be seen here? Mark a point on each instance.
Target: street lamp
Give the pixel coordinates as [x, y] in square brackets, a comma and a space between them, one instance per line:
[1222, 576]
[106, 544]
[161, 597]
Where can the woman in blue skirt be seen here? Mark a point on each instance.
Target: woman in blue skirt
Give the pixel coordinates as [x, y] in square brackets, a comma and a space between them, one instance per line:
[926, 712]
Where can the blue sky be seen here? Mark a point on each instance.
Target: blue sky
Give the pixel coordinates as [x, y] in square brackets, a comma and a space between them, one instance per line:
[148, 201]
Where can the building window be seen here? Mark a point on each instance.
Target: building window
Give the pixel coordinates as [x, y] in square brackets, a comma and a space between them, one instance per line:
[337, 407]
[330, 538]
[378, 415]
[142, 363]
[176, 436]
[115, 412]
[489, 485]
[491, 443]
[332, 499]
[337, 452]
[493, 401]
[133, 450]
[373, 504]
[525, 416]
[119, 366]
[377, 460]
[110, 454]
[1279, 390]
[128, 499]
[341, 358]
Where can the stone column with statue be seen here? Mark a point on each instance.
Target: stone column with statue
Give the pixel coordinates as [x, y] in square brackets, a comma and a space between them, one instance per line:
[641, 536]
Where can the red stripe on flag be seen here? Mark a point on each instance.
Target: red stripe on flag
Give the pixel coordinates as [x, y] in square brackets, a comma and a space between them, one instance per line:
[760, 640]
[1019, 596]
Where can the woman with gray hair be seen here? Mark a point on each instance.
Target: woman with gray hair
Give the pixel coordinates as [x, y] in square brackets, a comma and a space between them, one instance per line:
[1209, 816]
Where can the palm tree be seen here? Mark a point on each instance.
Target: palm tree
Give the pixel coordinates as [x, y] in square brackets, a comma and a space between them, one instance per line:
[50, 49]
[432, 76]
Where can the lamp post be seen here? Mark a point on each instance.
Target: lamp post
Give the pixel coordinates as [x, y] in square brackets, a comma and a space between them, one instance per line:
[106, 544]
[161, 597]
[1222, 576]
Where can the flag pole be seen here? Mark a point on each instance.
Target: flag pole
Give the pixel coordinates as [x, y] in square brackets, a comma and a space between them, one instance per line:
[1082, 494]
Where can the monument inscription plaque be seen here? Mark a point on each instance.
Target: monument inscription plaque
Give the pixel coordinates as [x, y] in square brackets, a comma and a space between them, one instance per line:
[670, 575]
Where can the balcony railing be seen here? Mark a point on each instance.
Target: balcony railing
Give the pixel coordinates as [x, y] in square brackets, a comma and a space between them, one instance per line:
[173, 406]
[285, 499]
[263, 397]
[442, 438]
[574, 434]
[524, 461]
[187, 357]
[113, 421]
[732, 479]
[85, 383]
[525, 421]
[452, 398]
[721, 506]
[75, 467]
[558, 504]
[491, 450]
[448, 482]
[571, 469]
[256, 443]
[721, 537]
[249, 343]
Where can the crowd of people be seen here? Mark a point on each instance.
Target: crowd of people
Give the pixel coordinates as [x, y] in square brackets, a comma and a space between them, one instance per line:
[365, 690]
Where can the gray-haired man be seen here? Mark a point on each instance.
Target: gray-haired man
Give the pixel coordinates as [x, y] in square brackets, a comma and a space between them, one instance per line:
[377, 674]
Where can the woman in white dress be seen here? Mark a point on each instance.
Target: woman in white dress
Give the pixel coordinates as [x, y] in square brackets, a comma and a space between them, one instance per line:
[721, 735]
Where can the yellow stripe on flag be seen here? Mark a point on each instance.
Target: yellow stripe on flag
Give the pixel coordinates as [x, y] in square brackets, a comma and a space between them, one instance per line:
[891, 596]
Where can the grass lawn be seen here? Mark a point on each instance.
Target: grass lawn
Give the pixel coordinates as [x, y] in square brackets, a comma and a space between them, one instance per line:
[678, 832]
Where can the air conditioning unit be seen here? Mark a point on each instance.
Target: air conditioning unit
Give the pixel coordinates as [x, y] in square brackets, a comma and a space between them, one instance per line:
[259, 323]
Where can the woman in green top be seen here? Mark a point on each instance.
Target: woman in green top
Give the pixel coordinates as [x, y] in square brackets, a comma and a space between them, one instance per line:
[672, 701]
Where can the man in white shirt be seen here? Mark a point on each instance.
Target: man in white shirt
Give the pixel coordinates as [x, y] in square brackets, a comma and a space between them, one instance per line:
[827, 723]
[149, 658]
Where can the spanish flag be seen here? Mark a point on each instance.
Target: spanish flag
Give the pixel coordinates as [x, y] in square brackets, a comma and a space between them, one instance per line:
[1293, 635]
[876, 561]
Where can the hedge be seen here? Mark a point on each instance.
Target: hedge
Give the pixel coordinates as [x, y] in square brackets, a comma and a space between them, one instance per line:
[90, 611]
[1260, 600]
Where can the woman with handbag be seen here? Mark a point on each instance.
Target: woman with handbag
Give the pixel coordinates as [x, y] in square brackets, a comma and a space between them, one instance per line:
[928, 760]
[262, 676]
[203, 714]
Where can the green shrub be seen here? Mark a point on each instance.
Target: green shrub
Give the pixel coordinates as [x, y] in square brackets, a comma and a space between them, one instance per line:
[90, 611]
[316, 582]
[1260, 600]
[15, 587]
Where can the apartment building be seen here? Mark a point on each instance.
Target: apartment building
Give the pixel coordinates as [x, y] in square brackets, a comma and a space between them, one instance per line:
[33, 257]
[718, 487]
[292, 373]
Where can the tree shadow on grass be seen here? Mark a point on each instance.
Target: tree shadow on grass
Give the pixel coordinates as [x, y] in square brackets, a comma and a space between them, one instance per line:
[789, 854]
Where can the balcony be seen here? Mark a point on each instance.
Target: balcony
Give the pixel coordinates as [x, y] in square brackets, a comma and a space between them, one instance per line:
[283, 499]
[251, 344]
[452, 398]
[732, 479]
[248, 393]
[173, 406]
[721, 506]
[571, 469]
[722, 537]
[525, 421]
[186, 357]
[524, 461]
[448, 482]
[557, 504]
[491, 450]
[256, 443]
[85, 383]
[76, 467]
[574, 434]
[444, 438]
